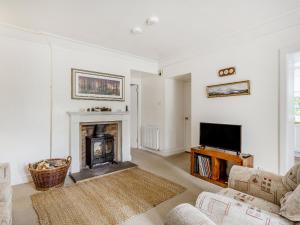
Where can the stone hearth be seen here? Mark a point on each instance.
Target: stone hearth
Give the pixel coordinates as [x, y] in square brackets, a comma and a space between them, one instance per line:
[101, 170]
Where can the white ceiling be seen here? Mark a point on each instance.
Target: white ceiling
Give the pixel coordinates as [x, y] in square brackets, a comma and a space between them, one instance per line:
[185, 25]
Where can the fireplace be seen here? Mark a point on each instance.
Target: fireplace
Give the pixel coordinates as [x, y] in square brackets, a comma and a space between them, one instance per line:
[99, 150]
[100, 143]
[82, 124]
[100, 146]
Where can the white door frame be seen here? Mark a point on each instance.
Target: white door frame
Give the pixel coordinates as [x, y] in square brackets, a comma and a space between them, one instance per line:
[286, 118]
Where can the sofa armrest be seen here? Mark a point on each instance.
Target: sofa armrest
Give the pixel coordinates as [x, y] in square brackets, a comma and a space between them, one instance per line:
[258, 183]
[186, 214]
[4, 173]
[228, 211]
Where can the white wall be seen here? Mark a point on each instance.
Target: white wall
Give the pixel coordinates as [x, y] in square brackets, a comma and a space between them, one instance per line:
[27, 60]
[257, 61]
[297, 138]
[25, 109]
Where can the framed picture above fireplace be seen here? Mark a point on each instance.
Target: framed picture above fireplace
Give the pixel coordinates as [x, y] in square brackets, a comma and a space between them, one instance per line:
[91, 85]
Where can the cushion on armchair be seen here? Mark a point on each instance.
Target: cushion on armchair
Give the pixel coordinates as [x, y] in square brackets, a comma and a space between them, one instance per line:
[292, 178]
[290, 205]
[258, 183]
[227, 211]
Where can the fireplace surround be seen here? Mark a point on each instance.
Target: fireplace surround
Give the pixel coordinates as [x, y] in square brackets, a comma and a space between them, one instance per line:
[78, 118]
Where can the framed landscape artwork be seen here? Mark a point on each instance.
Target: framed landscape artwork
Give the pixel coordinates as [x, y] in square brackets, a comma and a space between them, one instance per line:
[97, 86]
[228, 89]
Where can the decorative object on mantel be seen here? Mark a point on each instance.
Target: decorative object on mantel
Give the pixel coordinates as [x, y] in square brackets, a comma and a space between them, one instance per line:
[50, 173]
[226, 72]
[103, 109]
[228, 89]
[98, 109]
[91, 85]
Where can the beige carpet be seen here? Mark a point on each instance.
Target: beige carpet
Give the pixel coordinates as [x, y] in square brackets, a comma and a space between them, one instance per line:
[106, 200]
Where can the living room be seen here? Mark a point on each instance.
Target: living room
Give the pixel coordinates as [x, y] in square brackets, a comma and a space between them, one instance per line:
[114, 104]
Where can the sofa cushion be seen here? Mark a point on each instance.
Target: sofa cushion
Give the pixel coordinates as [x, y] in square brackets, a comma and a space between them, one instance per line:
[292, 178]
[188, 215]
[251, 200]
[223, 210]
[290, 205]
[258, 183]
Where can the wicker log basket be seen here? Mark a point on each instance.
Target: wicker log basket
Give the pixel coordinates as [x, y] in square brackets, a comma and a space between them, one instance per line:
[50, 173]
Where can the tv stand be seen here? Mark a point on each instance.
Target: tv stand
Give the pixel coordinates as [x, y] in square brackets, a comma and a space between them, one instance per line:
[218, 164]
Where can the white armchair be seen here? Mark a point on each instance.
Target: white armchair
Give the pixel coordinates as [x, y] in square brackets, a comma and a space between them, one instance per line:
[5, 195]
[253, 198]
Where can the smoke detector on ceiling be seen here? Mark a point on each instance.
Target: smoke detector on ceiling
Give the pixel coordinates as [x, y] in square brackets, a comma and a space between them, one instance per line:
[152, 20]
[136, 30]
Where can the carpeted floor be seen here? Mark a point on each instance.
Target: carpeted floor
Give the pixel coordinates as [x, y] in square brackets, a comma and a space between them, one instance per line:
[106, 200]
[174, 168]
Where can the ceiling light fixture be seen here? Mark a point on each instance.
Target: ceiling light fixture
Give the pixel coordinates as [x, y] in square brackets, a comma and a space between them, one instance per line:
[136, 30]
[152, 20]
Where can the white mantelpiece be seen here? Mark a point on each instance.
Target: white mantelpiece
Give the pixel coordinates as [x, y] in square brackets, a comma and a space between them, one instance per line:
[76, 118]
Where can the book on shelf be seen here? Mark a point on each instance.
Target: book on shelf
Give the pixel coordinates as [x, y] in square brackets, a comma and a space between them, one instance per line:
[204, 164]
[196, 165]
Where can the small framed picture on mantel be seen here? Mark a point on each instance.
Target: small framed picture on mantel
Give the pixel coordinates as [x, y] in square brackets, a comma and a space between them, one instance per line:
[91, 85]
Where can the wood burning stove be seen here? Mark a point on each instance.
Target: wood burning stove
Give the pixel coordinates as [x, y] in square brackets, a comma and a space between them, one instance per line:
[99, 147]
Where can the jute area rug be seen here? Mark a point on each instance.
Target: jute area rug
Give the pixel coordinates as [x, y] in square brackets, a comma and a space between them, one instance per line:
[106, 200]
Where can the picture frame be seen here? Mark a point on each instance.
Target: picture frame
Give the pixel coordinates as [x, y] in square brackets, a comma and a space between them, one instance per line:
[228, 89]
[91, 85]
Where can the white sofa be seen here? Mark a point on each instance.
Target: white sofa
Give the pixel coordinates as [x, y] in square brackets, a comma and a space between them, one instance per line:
[5, 195]
[253, 198]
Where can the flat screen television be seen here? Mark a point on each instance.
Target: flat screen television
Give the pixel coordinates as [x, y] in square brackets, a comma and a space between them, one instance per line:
[223, 136]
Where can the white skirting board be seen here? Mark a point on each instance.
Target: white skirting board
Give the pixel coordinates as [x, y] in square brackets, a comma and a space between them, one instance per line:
[165, 153]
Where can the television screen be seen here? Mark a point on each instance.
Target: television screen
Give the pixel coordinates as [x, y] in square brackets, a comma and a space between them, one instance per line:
[223, 136]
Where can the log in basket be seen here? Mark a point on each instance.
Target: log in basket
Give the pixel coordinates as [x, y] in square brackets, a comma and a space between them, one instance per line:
[52, 176]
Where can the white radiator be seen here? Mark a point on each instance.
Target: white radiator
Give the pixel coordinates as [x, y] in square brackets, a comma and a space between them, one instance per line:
[150, 137]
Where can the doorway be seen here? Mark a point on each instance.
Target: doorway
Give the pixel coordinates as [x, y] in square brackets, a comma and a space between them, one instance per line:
[134, 115]
[182, 92]
[289, 141]
[187, 114]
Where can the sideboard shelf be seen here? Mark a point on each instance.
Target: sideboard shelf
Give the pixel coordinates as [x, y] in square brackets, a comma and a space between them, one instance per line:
[218, 164]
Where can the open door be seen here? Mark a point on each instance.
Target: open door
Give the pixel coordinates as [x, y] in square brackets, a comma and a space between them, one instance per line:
[134, 115]
[187, 115]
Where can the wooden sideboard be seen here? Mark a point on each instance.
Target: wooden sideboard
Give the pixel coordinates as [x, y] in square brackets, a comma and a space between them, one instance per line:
[219, 161]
